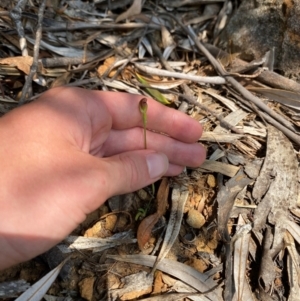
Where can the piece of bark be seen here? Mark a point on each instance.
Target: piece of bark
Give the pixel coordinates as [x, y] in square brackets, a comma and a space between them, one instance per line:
[277, 190]
[277, 182]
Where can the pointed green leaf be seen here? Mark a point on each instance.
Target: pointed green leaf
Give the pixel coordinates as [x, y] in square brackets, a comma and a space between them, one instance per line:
[153, 92]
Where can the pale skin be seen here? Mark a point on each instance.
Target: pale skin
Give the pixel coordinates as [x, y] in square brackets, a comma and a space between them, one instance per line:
[65, 154]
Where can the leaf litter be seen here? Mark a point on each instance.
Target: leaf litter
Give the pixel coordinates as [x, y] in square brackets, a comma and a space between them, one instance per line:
[246, 192]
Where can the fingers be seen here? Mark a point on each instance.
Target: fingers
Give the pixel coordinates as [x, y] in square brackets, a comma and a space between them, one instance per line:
[179, 153]
[94, 112]
[131, 171]
[124, 109]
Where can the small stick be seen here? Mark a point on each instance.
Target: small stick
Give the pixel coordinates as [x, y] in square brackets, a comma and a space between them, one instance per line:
[27, 88]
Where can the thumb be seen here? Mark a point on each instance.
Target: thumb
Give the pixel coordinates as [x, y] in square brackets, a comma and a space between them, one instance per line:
[133, 170]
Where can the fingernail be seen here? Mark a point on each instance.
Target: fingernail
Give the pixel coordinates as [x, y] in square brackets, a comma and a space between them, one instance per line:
[157, 164]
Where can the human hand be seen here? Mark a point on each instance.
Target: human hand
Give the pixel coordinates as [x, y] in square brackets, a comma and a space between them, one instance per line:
[65, 154]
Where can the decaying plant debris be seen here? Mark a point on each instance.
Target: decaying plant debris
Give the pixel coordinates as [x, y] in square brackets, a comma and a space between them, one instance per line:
[246, 194]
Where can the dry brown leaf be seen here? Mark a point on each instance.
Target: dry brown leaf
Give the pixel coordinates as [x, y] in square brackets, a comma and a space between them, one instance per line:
[134, 9]
[162, 197]
[147, 224]
[145, 229]
[22, 63]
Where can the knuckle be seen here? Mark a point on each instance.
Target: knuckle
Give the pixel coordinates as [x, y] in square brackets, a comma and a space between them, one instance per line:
[130, 170]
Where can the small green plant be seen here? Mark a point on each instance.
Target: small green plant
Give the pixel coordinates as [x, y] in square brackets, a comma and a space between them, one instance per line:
[143, 109]
[143, 106]
[141, 214]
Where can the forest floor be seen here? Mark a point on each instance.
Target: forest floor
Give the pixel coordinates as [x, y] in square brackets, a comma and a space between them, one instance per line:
[228, 230]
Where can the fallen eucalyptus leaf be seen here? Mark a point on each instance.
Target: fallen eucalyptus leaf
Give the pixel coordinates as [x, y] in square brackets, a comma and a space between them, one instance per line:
[134, 9]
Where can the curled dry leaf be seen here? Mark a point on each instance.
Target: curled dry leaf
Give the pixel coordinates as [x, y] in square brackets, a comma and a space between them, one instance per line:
[147, 224]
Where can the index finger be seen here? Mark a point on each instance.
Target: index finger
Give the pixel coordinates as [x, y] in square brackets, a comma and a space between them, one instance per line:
[124, 109]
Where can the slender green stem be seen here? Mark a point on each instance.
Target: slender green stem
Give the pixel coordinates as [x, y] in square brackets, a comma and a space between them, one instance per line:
[143, 109]
[145, 140]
